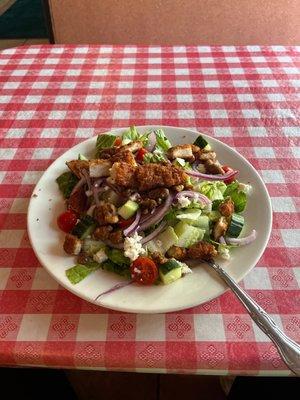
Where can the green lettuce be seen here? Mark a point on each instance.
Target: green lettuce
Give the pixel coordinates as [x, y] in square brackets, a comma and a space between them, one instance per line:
[212, 190]
[117, 257]
[104, 141]
[162, 142]
[66, 183]
[156, 157]
[130, 135]
[77, 273]
[237, 196]
[110, 266]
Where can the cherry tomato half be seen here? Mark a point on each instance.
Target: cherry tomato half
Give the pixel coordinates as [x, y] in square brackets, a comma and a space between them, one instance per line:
[118, 141]
[144, 271]
[228, 169]
[140, 154]
[66, 221]
[124, 223]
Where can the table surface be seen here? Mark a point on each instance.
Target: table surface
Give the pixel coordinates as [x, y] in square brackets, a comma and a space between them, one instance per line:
[52, 97]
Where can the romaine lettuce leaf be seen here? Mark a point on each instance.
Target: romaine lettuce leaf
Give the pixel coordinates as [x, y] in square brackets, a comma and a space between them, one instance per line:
[156, 157]
[130, 135]
[212, 190]
[117, 256]
[162, 142]
[66, 183]
[80, 271]
[237, 196]
[104, 141]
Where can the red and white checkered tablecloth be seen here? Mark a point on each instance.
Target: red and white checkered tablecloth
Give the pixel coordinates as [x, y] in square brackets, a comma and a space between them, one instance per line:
[52, 97]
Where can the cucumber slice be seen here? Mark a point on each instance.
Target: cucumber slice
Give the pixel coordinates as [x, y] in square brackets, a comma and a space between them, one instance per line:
[236, 225]
[202, 143]
[163, 241]
[170, 271]
[187, 234]
[84, 227]
[128, 209]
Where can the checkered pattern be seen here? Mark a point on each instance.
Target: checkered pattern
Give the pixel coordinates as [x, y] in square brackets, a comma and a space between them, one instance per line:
[52, 97]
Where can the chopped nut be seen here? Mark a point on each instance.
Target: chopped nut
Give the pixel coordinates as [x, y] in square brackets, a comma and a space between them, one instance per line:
[158, 258]
[203, 250]
[214, 167]
[106, 213]
[116, 236]
[103, 232]
[227, 208]
[220, 228]
[209, 155]
[179, 253]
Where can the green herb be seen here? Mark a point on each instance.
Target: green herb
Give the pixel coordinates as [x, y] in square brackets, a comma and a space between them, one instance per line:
[66, 183]
[110, 266]
[79, 271]
[117, 257]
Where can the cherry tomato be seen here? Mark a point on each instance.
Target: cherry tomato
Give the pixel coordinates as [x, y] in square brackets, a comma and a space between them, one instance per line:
[118, 141]
[66, 221]
[144, 271]
[124, 223]
[140, 154]
[228, 169]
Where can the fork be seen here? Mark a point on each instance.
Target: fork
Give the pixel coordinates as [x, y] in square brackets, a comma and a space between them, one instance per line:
[288, 349]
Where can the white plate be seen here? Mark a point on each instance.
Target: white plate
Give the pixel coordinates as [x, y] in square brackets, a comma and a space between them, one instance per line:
[190, 291]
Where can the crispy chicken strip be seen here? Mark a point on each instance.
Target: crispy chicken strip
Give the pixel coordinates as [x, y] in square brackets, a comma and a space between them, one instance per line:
[76, 166]
[152, 176]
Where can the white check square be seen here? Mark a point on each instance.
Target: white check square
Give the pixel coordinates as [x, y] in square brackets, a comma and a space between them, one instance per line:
[152, 49]
[257, 131]
[222, 132]
[11, 85]
[30, 99]
[296, 152]
[84, 132]
[57, 114]
[240, 83]
[209, 328]
[68, 85]
[264, 152]
[251, 113]
[215, 98]
[276, 97]
[295, 82]
[5, 99]
[154, 98]
[52, 61]
[291, 131]
[272, 176]
[291, 70]
[153, 114]
[232, 59]
[153, 84]
[42, 153]
[184, 98]
[89, 114]
[7, 153]
[50, 132]
[258, 279]
[258, 59]
[92, 327]
[121, 114]
[25, 114]
[218, 113]
[150, 327]
[40, 85]
[97, 85]
[209, 71]
[283, 204]
[291, 237]
[46, 72]
[269, 83]
[19, 72]
[183, 84]
[284, 113]
[204, 49]
[245, 97]
[34, 327]
[91, 98]
[229, 49]
[206, 60]
[297, 274]
[31, 177]
[236, 71]
[43, 281]
[152, 71]
[125, 85]
[186, 114]
[264, 70]
[156, 60]
[124, 98]
[81, 50]
[16, 133]
[73, 72]
[103, 60]
[211, 84]
[129, 61]
[260, 336]
[63, 99]
[27, 61]
[179, 60]
[182, 71]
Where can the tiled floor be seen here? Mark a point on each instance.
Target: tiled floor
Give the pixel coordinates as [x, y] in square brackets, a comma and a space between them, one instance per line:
[7, 43]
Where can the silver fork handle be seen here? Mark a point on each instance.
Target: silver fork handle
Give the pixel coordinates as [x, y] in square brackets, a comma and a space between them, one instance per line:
[287, 348]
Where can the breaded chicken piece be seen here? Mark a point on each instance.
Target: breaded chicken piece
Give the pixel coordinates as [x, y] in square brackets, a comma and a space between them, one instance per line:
[99, 168]
[214, 167]
[184, 151]
[124, 156]
[72, 245]
[122, 175]
[152, 176]
[116, 151]
[179, 253]
[203, 250]
[220, 228]
[227, 208]
[77, 202]
[76, 166]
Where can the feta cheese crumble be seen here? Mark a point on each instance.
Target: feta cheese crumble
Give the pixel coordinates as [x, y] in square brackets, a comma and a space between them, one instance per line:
[224, 252]
[183, 201]
[100, 256]
[133, 247]
[185, 269]
[245, 188]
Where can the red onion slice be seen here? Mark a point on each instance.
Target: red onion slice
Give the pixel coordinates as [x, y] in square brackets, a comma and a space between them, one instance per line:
[78, 185]
[153, 234]
[222, 240]
[114, 288]
[242, 241]
[193, 195]
[151, 142]
[133, 227]
[208, 177]
[159, 214]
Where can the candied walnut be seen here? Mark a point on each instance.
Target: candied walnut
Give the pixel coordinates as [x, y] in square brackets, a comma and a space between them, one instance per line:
[105, 213]
[158, 258]
[103, 232]
[203, 250]
[227, 208]
[207, 155]
[83, 258]
[77, 202]
[72, 245]
[214, 167]
[147, 205]
[179, 253]
[178, 188]
[116, 236]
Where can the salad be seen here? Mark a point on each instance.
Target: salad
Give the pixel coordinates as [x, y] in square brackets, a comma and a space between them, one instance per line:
[143, 208]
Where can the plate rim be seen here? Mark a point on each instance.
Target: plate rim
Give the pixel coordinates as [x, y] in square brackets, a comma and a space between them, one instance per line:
[117, 131]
